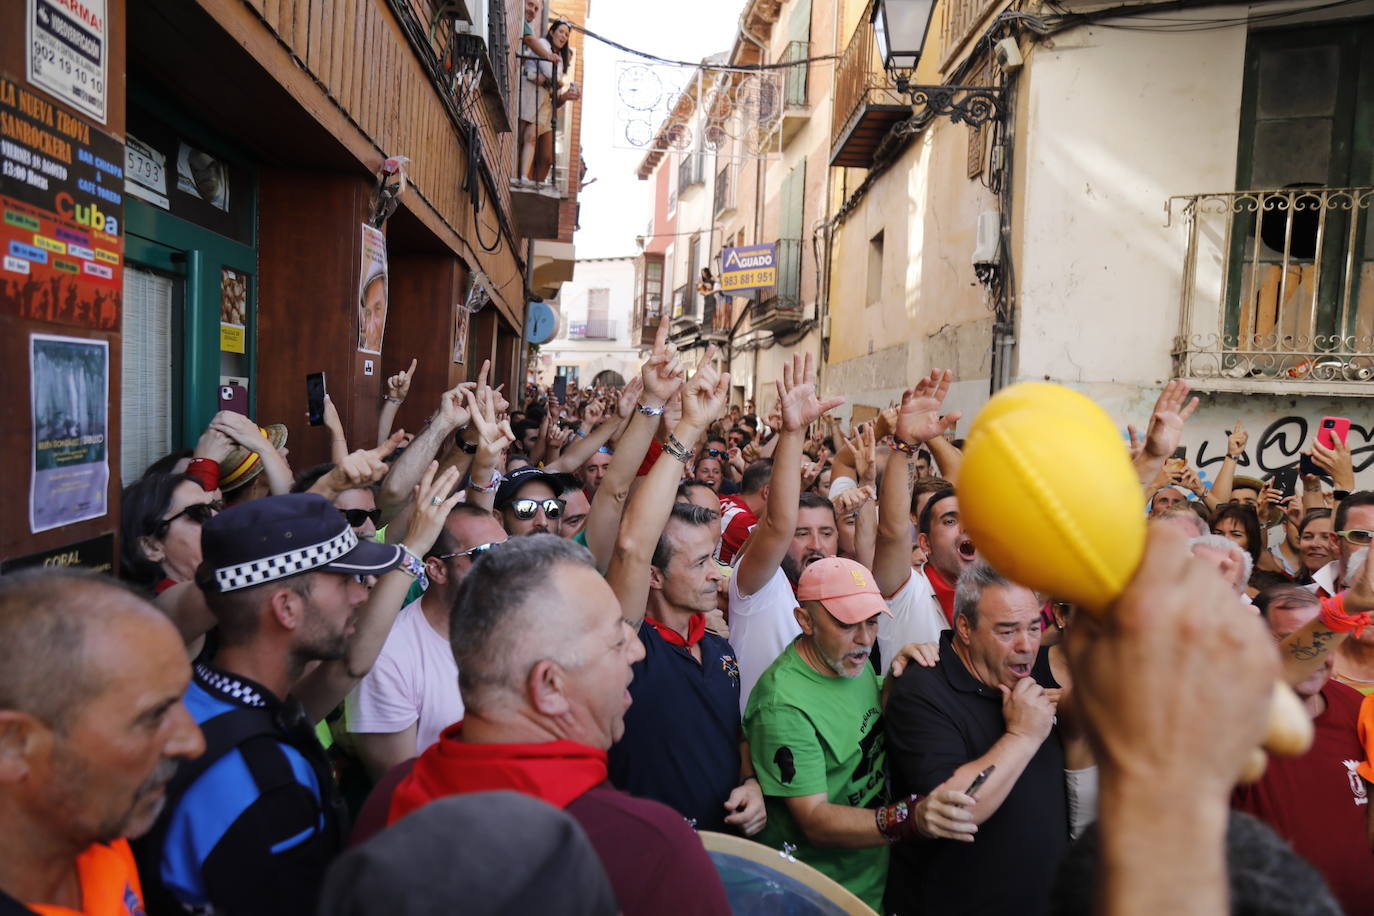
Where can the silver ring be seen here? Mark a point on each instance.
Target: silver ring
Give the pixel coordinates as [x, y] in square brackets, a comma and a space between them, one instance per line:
[435, 501]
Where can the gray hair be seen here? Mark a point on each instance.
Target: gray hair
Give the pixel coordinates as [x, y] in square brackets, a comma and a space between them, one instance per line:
[687, 514]
[1195, 521]
[1220, 542]
[968, 592]
[498, 609]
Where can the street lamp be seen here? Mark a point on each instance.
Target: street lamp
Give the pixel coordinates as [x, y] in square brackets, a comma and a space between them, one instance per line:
[900, 28]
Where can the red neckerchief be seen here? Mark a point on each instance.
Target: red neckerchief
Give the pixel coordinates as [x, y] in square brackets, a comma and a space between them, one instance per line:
[944, 592]
[163, 586]
[696, 628]
[558, 772]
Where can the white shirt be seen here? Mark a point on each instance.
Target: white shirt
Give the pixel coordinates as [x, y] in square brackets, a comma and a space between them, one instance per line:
[1326, 578]
[414, 682]
[762, 625]
[916, 617]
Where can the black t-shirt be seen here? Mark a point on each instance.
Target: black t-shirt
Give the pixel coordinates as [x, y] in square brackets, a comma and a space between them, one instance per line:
[937, 720]
[682, 733]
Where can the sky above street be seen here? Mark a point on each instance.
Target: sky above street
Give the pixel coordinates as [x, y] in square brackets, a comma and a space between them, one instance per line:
[616, 208]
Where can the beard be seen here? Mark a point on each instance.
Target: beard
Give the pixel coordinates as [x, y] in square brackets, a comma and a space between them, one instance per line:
[791, 569]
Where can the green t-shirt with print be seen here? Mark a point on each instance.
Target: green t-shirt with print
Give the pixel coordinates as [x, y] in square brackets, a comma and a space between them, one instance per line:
[810, 734]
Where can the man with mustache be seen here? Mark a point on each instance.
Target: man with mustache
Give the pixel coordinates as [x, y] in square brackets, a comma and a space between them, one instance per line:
[796, 529]
[91, 728]
[983, 704]
[815, 731]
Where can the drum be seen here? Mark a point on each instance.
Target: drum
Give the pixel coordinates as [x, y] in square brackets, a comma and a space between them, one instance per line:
[760, 880]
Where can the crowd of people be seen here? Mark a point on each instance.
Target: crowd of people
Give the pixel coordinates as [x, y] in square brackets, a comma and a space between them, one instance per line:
[517, 662]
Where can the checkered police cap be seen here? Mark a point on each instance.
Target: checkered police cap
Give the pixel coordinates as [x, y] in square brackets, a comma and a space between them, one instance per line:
[264, 540]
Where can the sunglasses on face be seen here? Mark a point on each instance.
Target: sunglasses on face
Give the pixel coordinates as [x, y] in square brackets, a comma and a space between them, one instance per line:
[714, 453]
[524, 509]
[200, 513]
[1357, 536]
[473, 552]
[358, 517]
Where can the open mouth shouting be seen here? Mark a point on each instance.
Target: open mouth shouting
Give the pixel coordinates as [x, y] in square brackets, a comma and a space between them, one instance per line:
[967, 552]
[1020, 669]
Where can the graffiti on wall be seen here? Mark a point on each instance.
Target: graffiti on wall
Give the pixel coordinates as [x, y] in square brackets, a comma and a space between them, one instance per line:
[1277, 446]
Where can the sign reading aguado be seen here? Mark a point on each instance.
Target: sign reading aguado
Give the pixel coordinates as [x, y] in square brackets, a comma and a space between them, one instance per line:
[748, 267]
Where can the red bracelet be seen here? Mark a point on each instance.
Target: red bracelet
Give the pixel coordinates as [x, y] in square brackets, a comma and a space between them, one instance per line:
[204, 471]
[1335, 619]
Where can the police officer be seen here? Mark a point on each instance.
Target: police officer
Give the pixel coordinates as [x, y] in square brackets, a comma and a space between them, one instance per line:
[251, 825]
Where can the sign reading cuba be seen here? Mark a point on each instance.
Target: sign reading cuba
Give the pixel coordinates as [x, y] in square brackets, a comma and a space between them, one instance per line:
[748, 267]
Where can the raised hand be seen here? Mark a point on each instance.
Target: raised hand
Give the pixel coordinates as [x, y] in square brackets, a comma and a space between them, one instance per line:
[1236, 440]
[366, 466]
[797, 400]
[629, 396]
[434, 500]
[918, 414]
[864, 448]
[1335, 461]
[1172, 410]
[493, 435]
[703, 398]
[662, 374]
[241, 430]
[398, 385]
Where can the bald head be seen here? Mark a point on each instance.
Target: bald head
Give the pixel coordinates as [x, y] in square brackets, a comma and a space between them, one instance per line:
[46, 617]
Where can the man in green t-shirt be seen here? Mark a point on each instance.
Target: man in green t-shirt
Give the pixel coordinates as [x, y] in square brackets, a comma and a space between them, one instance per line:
[814, 724]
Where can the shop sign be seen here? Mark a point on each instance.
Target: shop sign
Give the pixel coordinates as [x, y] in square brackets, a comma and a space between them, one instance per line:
[67, 52]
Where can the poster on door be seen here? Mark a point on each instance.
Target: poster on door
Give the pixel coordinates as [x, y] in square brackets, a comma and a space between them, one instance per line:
[372, 292]
[69, 381]
[61, 214]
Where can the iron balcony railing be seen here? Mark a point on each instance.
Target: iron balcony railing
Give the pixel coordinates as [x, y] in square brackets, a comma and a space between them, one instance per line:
[592, 329]
[795, 77]
[690, 170]
[786, 296]
[539, 90]
[725, 190]
[860, 79]
[1277, 284]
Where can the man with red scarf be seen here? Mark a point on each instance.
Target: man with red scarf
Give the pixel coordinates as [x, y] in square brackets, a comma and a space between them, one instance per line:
[683, 745]
[920, 601]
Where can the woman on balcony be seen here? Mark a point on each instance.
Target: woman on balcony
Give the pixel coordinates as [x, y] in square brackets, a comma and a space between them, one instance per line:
[552, 93]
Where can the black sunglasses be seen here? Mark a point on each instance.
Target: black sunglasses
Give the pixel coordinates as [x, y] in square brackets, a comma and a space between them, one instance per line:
[524, 509]
[200, 513]
[715, 453]
[473, 552]
[358, 517]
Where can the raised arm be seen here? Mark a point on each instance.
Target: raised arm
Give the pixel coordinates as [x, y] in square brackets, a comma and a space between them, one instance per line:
[603, 520]
[338, 442]
[577, 452]
[798, 406]
[493, 436]
[451, 416]
[397, 387]
[326, 686]
[1172, 410]
[246, 433]
[949, 458]
[1226, 477]
[918, 421]
[628, 574]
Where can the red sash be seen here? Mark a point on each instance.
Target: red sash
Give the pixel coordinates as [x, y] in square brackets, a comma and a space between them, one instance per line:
[696, 628]
[944, 592]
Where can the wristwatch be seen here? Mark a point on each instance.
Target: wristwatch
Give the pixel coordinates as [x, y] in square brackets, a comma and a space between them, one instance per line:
[649, 411]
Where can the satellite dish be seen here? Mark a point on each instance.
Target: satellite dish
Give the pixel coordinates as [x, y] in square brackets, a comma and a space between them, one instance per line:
[759, 879]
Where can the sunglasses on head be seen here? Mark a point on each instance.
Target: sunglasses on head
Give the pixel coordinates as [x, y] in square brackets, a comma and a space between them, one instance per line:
[358, 517]
[524, 509]
[473, 552]
[200, 513]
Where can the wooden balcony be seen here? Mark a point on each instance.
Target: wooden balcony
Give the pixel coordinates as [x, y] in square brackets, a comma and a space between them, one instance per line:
[867, 103]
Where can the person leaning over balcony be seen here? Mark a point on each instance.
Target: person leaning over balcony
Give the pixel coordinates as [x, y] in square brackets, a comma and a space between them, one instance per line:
[551, 95]
[531, 46]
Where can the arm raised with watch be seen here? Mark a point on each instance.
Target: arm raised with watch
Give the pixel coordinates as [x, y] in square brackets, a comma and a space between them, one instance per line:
[661, 377]
[397, 387]
[492, 437]
[703, 399]
[451, 416]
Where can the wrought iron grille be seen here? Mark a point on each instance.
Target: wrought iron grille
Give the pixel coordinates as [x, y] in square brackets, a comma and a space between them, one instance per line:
[1277, 284]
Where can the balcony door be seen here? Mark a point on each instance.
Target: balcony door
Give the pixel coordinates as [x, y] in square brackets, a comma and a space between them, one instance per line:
[1301, 262]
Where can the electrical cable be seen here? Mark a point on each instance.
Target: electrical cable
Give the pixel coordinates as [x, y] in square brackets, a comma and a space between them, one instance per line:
[688, 63]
